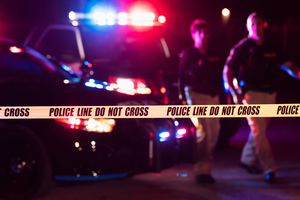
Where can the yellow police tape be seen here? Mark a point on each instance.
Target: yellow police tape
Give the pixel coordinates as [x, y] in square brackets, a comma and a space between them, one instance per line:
[151, 111]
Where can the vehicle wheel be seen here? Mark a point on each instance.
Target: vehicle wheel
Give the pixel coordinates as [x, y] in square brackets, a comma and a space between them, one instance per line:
[25, 168]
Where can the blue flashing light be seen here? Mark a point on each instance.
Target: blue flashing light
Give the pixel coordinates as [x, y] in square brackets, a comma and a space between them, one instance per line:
[90, 84]
[108, 16]
[163, 136]
[86, 63]
[103, 16]
[111, 18]
[98, 18]
[242, 83]
[66, 68]
[93, 84]
[99, 86]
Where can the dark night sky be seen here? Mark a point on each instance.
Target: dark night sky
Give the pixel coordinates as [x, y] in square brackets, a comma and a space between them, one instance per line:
[40, 9]
[18, 16]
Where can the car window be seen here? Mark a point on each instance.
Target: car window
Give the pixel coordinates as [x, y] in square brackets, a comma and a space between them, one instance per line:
[60, 44]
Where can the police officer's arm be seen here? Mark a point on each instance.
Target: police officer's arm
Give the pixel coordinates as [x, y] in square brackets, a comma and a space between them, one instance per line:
[230, 70]
[231, 86]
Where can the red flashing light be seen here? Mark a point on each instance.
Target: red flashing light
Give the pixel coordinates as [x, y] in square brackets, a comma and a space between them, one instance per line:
[140, 18]
[181, 133]
[130, 86]
[140, 15]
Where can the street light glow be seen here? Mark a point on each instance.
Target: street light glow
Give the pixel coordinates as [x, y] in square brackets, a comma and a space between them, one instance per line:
[225, 12]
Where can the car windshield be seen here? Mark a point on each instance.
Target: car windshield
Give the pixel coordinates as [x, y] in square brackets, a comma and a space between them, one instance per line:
[123, 48]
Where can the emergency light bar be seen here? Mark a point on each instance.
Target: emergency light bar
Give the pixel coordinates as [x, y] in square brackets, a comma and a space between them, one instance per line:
[109, 18]
[15, 49]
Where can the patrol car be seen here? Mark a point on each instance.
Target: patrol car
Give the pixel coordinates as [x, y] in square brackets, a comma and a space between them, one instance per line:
[35, 151]
[124, 48]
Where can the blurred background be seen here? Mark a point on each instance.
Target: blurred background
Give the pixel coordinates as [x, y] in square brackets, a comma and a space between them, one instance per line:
[17, 17]
[227, 20]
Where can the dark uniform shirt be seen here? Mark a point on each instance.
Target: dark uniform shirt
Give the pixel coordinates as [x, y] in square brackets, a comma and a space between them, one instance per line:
[254, 66]
[203, 73]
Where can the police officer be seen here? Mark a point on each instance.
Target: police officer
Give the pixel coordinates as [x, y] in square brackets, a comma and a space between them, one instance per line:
[249, 74]
[200, 83]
